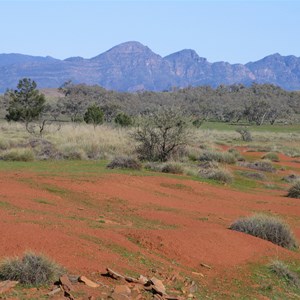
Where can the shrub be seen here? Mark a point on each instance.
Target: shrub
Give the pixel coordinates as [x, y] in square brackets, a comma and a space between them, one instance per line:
[160, 133]
[31, 269]
[236, 154]
[291, 178]
[294, 190]
[221, 157]
[282, 271]
[255, 175]
[268, 228]
[217, 174]
[265, 166]
[172, 168]
[123, 120]
[94, 115]
[245, 134]
[271, 156]
[18, 154]
[124, 162]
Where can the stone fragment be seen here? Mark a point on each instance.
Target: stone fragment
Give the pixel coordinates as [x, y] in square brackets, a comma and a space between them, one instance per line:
[88, 282]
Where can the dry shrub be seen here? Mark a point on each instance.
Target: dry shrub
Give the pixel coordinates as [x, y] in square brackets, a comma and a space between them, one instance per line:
[18, 154]
[255, 175]
[173, 168]
[124, 162]
[291, 178]
[33, 269]
[268, 228]
[221, 157]
[217, 174]
[294, 190]
[265, 166]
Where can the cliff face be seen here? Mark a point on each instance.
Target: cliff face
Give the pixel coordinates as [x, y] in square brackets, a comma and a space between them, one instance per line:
[132, 66]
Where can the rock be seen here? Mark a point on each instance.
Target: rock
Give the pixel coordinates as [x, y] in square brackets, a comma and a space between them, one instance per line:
[6, 285]
[66, 283]
[88, 282]
[122, 290]
[193, 288]
[143, 280]
[158, 286]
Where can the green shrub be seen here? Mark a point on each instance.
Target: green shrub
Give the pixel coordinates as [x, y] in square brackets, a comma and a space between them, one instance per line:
[294, 190]
[18, 154]
[32, 269]
[123, 120]
[220, 175]
[268, 228]
[271, 156]
[124, 162]
[94, 115]
[283, 272]
[221, 157]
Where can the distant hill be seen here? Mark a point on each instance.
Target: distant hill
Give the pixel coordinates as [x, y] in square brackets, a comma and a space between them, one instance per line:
[132, 66]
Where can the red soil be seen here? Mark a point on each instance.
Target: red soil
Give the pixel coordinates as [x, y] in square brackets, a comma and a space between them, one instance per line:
[121, 220]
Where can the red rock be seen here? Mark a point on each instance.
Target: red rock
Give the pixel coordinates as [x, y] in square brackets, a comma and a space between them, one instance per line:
[88, 282]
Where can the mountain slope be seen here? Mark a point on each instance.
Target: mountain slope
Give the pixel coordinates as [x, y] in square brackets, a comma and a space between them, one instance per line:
[132, 66]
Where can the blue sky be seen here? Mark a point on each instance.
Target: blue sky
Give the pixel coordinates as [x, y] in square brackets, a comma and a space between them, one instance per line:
[234, 31]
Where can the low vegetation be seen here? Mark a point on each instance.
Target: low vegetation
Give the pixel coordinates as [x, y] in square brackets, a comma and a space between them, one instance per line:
[268, 228]
[294, 190]
[124, 162]
[217, 156]
[283, 271]
[260, 165]
[271, 156]
[31, 269]
[216, 173]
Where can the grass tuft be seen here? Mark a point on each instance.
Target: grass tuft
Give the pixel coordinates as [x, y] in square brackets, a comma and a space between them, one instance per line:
[31, 269]
[282, 271]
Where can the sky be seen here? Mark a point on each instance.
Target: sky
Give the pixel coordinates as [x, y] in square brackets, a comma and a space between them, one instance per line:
[233, 31]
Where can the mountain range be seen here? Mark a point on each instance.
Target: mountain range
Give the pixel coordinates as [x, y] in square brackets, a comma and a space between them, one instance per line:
[132, 66]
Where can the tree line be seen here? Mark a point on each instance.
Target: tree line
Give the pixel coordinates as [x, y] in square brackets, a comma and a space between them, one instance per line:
[257, 104]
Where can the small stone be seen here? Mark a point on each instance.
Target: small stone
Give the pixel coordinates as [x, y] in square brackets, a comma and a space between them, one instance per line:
[122, 290]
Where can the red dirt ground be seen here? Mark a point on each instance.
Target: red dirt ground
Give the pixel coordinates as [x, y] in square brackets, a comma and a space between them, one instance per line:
[137, 223]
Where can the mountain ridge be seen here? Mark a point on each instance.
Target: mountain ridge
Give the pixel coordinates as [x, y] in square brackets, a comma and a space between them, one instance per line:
[132, 66]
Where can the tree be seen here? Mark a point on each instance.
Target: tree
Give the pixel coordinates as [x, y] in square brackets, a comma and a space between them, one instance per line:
[160, 133]
[123, 120]
[26, 103]
[94, 115]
